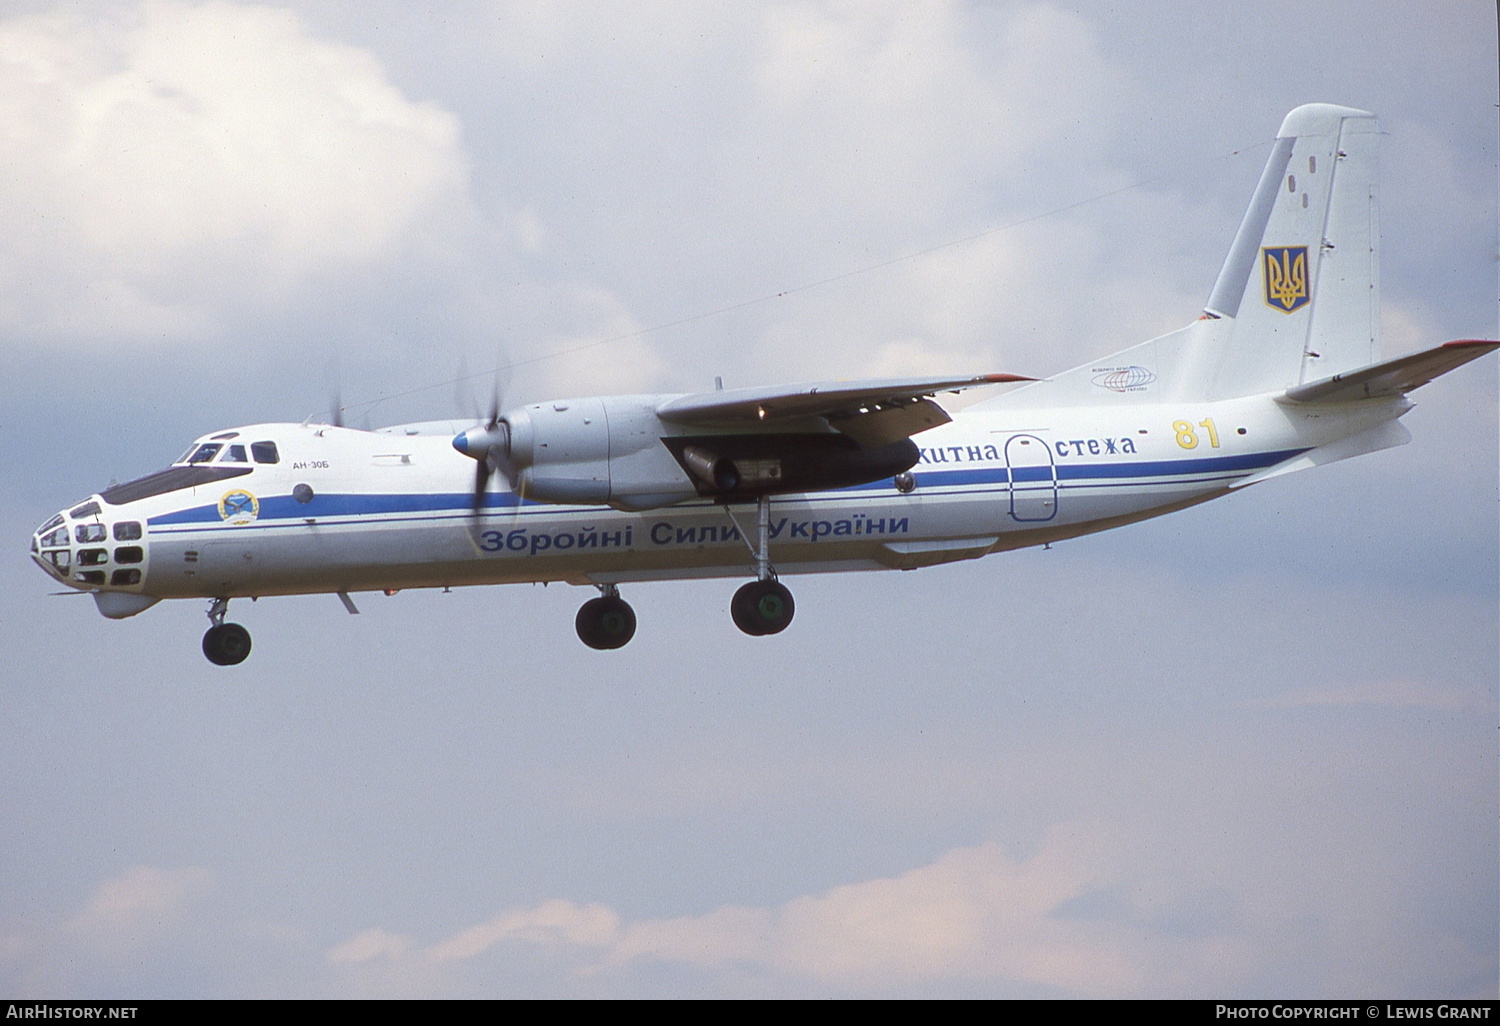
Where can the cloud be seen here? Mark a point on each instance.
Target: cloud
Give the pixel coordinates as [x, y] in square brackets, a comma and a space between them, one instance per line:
[552, 922]
[140, 898]
[921, 107]
[973, 911]
[896, 129]
[726, 936]
[130, 921]
[588, 316]
[133, 911]
[797, 143]
[975, 914]
[369, 944]
[180, 158]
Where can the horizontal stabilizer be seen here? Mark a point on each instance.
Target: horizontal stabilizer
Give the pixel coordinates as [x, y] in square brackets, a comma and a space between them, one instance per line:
[1392, 377]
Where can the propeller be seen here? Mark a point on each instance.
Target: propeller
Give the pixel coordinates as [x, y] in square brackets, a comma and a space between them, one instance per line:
[490, 447]
[333, 389]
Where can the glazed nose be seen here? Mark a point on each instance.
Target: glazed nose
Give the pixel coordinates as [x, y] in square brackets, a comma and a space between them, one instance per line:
[51, 547]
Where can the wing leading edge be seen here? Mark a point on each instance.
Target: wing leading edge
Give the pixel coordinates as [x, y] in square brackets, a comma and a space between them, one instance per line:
[873, 412]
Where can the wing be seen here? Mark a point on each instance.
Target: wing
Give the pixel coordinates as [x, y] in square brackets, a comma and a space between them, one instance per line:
[1391, 377]
[873, 413]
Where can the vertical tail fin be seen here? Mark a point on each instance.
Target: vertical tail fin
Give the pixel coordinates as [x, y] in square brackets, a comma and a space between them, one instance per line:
[1297, 299]
[1300, 283]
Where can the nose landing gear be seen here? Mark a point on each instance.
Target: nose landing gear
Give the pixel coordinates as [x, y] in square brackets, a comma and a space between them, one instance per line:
[225, 644]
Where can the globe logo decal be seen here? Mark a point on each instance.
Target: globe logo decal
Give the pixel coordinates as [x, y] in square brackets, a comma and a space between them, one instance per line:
[1124, 379]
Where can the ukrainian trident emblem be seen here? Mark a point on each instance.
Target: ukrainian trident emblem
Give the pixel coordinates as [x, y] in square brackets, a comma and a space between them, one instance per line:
[1286, 277]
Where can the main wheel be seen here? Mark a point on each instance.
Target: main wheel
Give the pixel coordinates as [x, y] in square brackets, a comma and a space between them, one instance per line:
[227, 644]
[762, 607]
[605, 622]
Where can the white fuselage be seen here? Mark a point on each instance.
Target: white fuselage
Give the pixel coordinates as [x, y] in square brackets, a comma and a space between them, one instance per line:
[346, 510]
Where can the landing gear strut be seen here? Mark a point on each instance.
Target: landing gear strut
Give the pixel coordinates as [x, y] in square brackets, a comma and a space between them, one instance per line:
[225, 644]
[764, 606]
[607, 621]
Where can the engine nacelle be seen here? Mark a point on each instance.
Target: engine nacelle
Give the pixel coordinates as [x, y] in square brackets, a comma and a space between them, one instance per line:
[559, 451]
[594, 451]
[616, 451]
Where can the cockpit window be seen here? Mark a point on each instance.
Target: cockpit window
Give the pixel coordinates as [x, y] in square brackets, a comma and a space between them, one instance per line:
[217, 451]
[88, 509]
[89, 533]
[49, 525]
[58, 536]
[128, 530]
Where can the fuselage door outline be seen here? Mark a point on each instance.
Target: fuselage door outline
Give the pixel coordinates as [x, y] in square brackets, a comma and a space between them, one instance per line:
[1033, 478]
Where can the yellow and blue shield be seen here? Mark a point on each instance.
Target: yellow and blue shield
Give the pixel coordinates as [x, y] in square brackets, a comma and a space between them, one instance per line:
[1286, 277]
[239, 507]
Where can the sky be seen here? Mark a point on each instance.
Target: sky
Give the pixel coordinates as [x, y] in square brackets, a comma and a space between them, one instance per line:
[1246, 750]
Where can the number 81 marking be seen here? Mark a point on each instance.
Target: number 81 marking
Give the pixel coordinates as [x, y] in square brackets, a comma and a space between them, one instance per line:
[1188, 438]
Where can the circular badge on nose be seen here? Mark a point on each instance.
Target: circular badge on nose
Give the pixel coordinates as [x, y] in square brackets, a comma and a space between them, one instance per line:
[239, 508]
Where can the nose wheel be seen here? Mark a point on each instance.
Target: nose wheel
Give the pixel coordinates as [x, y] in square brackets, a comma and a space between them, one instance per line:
[605, 622]
[225, 644]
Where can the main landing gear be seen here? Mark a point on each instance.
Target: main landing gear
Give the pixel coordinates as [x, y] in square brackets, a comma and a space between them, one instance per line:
[225, 644]
[607, 621]
[764, 606]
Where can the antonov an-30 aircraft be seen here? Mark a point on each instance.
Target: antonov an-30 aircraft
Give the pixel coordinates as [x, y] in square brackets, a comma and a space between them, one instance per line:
[1280, 373]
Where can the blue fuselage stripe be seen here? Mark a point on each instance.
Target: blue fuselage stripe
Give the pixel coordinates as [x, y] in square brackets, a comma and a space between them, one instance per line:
[1081, 471]
[445, 504]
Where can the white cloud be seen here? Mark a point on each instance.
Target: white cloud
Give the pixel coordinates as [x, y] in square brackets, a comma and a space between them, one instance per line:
[627, 362]
[139, 904]
[552, 922]
[920, 107]
[719, 938]
[792, 143]
[975, 914]
[368, 944]
[184, 157]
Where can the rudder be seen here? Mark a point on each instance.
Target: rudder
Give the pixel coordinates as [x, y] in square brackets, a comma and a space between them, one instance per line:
[1301, 280]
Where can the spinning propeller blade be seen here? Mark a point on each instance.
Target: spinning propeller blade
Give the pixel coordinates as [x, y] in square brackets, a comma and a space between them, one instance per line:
[489, 447]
